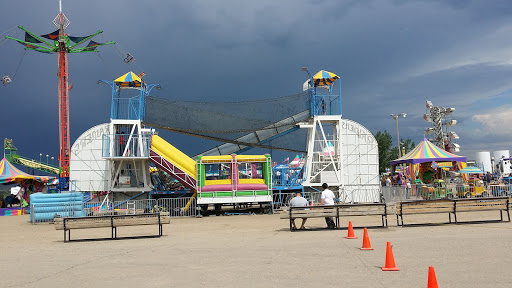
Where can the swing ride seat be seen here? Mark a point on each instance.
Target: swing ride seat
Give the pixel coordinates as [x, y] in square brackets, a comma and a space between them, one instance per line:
[112, 221]
[6, 80]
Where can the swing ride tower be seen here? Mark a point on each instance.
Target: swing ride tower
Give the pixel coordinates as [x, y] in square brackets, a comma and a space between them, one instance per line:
[62, 45]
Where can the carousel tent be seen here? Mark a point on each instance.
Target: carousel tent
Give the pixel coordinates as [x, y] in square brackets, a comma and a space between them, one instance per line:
[427, 152]
[10, 174]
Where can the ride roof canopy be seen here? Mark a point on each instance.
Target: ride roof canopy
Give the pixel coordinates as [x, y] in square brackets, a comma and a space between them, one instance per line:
[425, 151]
[10, 174]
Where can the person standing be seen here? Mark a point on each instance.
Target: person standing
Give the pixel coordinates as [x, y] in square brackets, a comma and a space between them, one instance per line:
[328, 199]
[408, 189]
[487, 178]
[299, 201]
[388, 181]
[121, 144]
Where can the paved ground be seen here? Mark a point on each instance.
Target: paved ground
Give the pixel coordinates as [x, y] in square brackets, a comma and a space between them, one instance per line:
[258, 251]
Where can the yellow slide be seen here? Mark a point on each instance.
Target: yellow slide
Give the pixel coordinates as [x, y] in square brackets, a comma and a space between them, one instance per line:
[173, 155]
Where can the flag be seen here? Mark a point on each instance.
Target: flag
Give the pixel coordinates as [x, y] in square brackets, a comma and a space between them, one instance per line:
[286, 160]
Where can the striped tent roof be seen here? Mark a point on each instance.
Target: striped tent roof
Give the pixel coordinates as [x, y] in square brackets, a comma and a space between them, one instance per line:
[324, 78]
[427, 152]
[129, 80]
[11, 174]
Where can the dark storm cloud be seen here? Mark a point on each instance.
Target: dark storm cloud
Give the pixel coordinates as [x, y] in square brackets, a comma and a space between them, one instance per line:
[391, 55]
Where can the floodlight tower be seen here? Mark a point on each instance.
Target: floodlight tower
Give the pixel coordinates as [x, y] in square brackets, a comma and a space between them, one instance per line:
[437, 115]
[396, 116]
[62, 46]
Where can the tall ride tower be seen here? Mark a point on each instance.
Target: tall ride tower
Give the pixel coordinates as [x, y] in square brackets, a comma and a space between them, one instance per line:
[62, 45]
[127, 145]
[324, 160]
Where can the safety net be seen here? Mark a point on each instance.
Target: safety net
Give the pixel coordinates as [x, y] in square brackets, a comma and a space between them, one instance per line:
[254, 123]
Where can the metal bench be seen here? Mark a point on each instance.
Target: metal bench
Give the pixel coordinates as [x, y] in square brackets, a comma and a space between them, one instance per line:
[365, 209]
[336, 211]
[452, 206]
[112, 221]
[424, 207]
[312, 212]
[483, 204]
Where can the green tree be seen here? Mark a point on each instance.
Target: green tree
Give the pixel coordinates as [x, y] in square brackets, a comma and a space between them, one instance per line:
[385, 142]
[388, 152]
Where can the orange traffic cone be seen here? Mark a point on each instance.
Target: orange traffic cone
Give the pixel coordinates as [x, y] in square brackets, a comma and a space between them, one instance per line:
[350, 234]
[432, 281]
[366, 241]
[390, 260]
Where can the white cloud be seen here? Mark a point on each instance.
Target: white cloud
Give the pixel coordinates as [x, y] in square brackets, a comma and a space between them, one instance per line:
[496, 121]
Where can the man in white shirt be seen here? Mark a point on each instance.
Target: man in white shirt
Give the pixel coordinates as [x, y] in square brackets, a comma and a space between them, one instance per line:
[299, 201]
[328, 199]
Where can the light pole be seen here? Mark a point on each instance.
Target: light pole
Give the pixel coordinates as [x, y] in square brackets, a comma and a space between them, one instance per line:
[52, 160]
[47, 159]
[395, 116]
[306, 69]
[40, 155]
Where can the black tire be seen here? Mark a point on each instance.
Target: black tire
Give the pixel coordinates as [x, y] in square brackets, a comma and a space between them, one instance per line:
[485, 194]
[449, 196]
[467, 195]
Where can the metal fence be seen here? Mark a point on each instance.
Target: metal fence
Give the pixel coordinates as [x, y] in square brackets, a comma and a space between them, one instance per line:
[45, 212]
[500, 190]
[360, 194]
[177, 207]
[449, 191]
[280, 200]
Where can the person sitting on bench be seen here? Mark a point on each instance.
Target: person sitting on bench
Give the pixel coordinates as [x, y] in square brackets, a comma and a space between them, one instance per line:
[299, 201]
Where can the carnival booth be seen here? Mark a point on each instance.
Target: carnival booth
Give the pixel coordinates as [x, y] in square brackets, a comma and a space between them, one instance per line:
[9, 174]
[423, 161]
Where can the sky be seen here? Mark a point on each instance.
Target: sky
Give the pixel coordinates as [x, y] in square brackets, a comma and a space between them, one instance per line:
[391, 56]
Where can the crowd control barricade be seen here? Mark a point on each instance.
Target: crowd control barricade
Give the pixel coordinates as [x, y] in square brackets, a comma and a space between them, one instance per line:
[45, 212]
[177, 207]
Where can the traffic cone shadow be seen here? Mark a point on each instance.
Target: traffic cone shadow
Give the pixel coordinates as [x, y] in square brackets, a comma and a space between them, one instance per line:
[366, 241]
[390, 260]
[350, 234]
[432, 281]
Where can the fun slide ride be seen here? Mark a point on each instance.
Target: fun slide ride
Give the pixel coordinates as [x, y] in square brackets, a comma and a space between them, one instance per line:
[223, 179]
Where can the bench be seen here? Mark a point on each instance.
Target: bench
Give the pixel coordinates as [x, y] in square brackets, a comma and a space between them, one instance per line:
[312, 212]
[483, 204]
[424, 207]
[112, 221]
[452, 206]
[365, 209]
[336, 211]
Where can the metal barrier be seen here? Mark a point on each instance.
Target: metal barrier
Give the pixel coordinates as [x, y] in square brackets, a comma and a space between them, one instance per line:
[280, 200]
[133, 206]
[361, 194]
[395, 193]
[418, 192]
[450, 191]
[45, 212]
[177, 207]
[500, 190]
